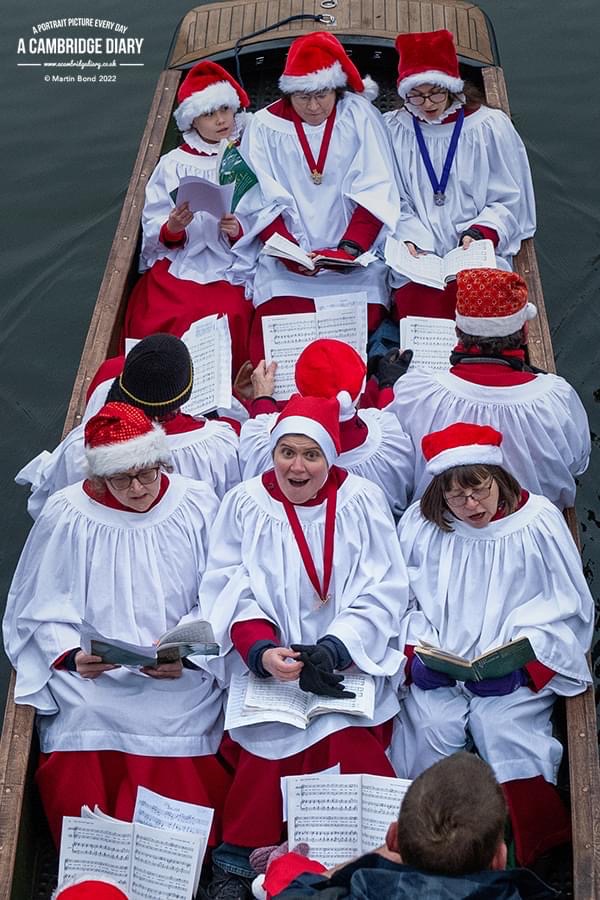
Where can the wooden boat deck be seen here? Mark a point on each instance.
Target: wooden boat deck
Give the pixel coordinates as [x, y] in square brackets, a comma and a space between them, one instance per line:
[211, 30]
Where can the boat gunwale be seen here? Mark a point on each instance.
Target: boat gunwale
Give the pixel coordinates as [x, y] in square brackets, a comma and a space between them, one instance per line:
[18, 728]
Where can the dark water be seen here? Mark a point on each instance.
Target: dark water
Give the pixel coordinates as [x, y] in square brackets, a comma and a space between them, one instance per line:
[67, 154]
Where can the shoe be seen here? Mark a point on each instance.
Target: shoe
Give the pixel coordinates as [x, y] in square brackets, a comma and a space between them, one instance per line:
[226, 886]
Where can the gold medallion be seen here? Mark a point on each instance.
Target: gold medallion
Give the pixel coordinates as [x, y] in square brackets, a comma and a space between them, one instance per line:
[316, 176]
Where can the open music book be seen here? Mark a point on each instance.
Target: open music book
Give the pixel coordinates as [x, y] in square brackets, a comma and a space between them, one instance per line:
[431, 340]
[158, 856]
[343, 317]
[342, 816]
[281, 247]
[493, 664]
[209, 343]
[253, 700]
[433, 270]
[188, 639]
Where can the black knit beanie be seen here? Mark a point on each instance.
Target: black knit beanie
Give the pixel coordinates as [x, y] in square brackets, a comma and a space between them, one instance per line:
[158, 376]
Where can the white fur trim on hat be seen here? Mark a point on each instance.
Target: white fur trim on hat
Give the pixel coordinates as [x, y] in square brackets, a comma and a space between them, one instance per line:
[432, 76]
[496, 326]
[347, 408]
[201, 102]
[467, 455]
[321, 80]
[307, 427]
[370, 88]
[146, 450]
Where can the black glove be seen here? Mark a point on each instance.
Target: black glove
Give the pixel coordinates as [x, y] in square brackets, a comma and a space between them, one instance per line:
[317, 675]
[392, 366]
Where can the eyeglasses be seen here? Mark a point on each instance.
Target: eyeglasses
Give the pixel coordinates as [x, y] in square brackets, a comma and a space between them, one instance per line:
[319, 96]
[123, 482]
[419, 99]
[460, 500]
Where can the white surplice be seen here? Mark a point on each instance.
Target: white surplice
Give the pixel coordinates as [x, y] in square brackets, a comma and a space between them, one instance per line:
[255, 571]
[386, 457]
[489, 184]
[546, 435]
[475, 589]
[132, 576]
[358, 171]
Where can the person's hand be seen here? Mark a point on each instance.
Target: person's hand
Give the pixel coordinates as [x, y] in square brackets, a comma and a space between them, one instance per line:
[392, 366]
[275, 662]
[295, 267]
[89, 666]
[466, 241]
[164, 670]
[413, 250]
[179, 218]
[263, 379]
[427, 679]
[317, 676]
[242, 386]
[230, 226]
[498, 687]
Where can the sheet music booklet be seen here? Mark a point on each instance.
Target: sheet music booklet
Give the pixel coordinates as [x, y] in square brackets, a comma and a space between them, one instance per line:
[187, 639]
[493, 664]
[431, 340]
[282, 248]
[433, 270]
[158, 856]
[339, 316]
[342, 816]
[253, 700]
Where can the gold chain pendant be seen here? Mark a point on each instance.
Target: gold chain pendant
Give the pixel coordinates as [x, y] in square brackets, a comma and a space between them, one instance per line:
[316, 176]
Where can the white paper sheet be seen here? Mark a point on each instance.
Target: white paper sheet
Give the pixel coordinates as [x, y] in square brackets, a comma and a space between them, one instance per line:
[285, 337]
[205, 196]
[164, 864]
[431, 340]
[331, 770]
[324, 811]
[91, 845]
[209, 343]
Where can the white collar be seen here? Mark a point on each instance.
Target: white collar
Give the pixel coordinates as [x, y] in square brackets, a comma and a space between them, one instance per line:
[456, 104]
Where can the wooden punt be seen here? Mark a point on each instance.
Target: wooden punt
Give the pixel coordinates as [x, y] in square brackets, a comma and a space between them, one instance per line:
[368, 29]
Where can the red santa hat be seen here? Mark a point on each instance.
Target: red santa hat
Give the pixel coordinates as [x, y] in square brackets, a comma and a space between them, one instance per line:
[313, 417]
[122, 437]
[428, 57]
[461, 444]
[89, 889]
[329, 368]
[491, 302]
[206, 87]
[318, 62]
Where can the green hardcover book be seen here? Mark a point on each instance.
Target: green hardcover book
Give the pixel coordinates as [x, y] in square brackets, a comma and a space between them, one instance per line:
[494, 664]
[234, 168]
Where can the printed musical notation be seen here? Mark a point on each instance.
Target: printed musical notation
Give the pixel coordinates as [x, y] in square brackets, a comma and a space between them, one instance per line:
[341, 816]
[343, 317]
[431, 340]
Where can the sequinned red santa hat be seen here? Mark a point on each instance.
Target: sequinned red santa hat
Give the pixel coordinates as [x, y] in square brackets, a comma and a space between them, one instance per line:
[461, 444]
[206, 87]
[428, 57]
[313, 417]
[318, 62]
[122, 437]
[491, 302]
[89, 889]
[329, 368]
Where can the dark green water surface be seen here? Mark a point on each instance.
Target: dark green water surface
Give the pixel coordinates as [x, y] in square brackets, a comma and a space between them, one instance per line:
[67, 154]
